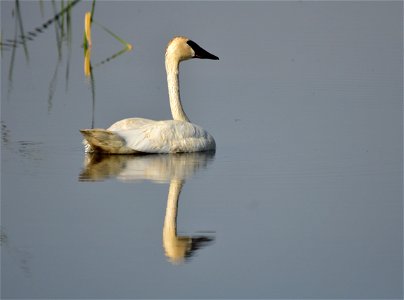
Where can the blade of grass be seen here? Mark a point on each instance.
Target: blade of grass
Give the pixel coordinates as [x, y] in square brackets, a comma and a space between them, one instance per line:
[69, 42]
[127, 45]
[40, 29]
[92, 10]
[87, 63]
[41, 7]
[88, 69]
[88, 20]
[92, 81]
[23, 37]
[57, 31]
[68, 22]
[87, 31]
[12, 59]
[124, 50]
[62, 22]
[52, 87]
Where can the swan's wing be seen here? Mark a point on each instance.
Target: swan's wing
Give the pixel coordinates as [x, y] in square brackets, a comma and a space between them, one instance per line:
[167, 137]
[107, 141]
[104, 141]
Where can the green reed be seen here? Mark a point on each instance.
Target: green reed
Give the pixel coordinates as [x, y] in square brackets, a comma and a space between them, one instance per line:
[21, 27]
[32, 34]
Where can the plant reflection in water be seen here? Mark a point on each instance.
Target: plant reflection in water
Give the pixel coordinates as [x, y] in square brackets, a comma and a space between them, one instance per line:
[162, 168]
[22, 37]
[61, 18]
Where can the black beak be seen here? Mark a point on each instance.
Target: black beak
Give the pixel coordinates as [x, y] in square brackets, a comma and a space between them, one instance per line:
[200, 52]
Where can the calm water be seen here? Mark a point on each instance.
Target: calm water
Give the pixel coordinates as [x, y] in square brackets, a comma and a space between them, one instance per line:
[302, 199]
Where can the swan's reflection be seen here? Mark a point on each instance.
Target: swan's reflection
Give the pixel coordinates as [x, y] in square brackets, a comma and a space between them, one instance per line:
[172, 168]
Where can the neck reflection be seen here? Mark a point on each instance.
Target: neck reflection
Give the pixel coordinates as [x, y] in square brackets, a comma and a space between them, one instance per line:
[179, 248]
[172, 168]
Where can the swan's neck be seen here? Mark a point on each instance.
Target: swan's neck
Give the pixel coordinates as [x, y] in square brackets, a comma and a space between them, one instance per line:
[172, 69]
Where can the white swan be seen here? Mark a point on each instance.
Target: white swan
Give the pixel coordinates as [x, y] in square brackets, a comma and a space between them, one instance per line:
[137, 135]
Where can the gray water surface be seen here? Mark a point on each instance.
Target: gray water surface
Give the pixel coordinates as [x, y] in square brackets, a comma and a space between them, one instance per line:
[302, 199]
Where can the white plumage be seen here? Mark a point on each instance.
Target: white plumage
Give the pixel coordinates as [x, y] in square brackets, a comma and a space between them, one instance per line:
[137, 135]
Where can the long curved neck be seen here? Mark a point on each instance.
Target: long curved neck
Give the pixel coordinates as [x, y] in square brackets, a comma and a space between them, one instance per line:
[172, 69]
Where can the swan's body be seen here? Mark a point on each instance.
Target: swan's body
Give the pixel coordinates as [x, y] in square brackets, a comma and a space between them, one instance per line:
[138, 135]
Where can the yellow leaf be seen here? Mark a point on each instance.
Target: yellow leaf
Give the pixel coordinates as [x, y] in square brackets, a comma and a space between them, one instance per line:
[87, 63]
[87, 27]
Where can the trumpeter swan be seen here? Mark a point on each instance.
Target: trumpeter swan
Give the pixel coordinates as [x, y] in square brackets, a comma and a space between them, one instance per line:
[137, 135]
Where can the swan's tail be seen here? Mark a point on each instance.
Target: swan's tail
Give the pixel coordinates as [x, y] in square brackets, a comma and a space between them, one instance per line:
[104, 141]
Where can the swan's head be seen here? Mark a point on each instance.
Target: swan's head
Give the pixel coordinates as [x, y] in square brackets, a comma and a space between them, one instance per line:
[181, 48]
